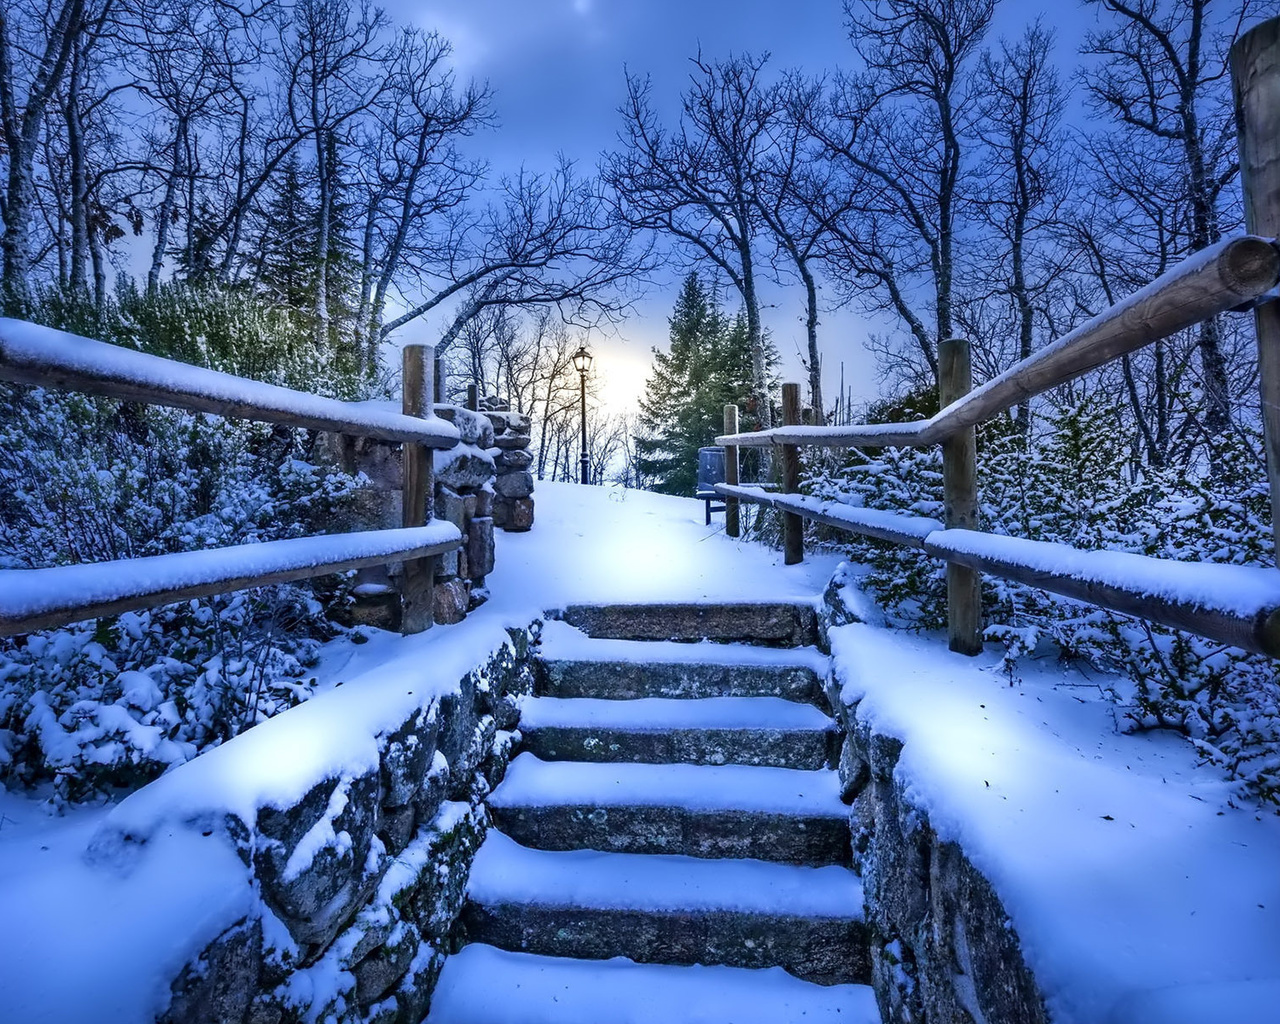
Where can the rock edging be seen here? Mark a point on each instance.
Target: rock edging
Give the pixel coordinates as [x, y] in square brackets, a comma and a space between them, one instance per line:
[360, 883]
[943, 948]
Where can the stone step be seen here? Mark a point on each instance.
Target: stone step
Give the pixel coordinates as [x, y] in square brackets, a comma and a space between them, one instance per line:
[483, 985]
[776, 814]
[669, 909]
[775, 623]
[654, 730]
[570, 664]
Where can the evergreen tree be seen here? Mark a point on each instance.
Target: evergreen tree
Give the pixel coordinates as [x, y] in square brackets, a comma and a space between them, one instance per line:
[708, 366]
[283, 265]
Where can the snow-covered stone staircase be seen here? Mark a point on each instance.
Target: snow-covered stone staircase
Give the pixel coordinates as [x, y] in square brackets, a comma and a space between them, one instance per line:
[673, 805]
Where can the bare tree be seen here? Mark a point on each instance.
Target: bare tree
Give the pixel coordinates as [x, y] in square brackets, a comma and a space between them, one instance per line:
[37, 42]
[897, 130]
[699, 184]
[549, 242]
[800, 200]
[1163, 76]
[1025, 180]
[413, 175]
[192, 56]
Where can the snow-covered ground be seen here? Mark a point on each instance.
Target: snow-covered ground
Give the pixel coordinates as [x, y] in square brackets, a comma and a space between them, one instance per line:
[1141, 893]
[98, 938]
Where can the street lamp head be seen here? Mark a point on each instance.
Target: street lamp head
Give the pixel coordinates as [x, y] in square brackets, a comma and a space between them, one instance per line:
[582, 360]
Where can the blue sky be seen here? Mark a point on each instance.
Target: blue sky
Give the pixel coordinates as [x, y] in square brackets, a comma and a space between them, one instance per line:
[557, 71]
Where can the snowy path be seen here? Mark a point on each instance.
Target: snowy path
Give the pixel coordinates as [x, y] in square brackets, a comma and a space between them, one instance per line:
[1142, 895]
[491, 985]
[609, 875]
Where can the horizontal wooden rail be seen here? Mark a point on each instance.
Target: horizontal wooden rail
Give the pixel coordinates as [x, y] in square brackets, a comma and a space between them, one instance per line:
[1222, 277]
[32, 599]
[869, 522]
[1232, 604]
[42, 356]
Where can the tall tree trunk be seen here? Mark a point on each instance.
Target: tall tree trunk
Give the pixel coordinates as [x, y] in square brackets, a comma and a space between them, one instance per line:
[22, 136]
[236, 228]
[1025, 312]
[78, 185]
[755, 338]
[811, 335]
[164, 216]
[324, 212]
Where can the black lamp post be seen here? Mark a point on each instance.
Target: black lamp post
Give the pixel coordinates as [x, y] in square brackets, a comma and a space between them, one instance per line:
[582, 363]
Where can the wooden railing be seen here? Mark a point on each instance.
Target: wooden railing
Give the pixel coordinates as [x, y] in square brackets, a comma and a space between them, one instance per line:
[33, 599]
[1237, 605]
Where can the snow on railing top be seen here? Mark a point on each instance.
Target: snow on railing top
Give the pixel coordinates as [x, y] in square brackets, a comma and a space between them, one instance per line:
[42, 356]
[1235, 272]
[33, 599]
[1233, 604]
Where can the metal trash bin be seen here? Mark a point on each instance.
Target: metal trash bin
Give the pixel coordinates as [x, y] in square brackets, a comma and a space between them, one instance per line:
[710, 473]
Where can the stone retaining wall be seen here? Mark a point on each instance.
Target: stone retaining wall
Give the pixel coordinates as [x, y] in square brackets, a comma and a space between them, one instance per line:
[943, 948]
[360, 882]
[513, 486]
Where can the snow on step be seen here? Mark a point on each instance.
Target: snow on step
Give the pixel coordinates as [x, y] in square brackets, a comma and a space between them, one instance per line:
[534, 783]
[687, 730]
[506, 872]
[657, 714]
[483, 985]
[562, 642]
[781, 814]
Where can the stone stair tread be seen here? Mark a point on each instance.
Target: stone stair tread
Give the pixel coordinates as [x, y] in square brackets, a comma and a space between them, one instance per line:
[504, 872]
[531, 782]
[660, 714]
[562, 642]
[484, 985]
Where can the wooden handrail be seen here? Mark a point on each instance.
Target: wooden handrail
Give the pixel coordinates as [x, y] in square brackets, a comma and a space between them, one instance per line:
[44, 357]
[895, 527]
[1236, 605]
[1232, 604]
[1232, 273]
[32, 599]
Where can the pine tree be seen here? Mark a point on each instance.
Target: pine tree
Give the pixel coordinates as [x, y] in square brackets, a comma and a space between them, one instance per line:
[708, 366]
[284, 267]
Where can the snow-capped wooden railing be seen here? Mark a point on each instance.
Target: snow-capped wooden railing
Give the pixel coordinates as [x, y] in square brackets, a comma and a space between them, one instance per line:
[1238, 605]
[1233, 604]
[1225, 276]
[44, 598]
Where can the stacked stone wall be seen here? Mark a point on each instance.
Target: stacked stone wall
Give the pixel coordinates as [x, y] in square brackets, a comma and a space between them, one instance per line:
[513, 485]
[355, 928]
[943, 948]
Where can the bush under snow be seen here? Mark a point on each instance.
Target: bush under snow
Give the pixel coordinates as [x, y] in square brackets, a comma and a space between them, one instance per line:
[1070, 484]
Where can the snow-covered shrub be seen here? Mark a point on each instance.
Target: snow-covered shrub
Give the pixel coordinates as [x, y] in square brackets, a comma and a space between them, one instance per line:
[1071, 483]
[117, 701]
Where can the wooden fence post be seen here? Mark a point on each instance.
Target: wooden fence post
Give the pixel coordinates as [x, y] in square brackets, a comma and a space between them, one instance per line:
[792, 524]
[417, 584]
[732, 515]
[960, 499]
[1255, 74]
[473, 398]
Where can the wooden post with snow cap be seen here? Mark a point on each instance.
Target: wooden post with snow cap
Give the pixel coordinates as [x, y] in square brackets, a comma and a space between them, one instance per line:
[417, 584]
[792, 524]
[960, 499]
[732, 513]
[1255, 73]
